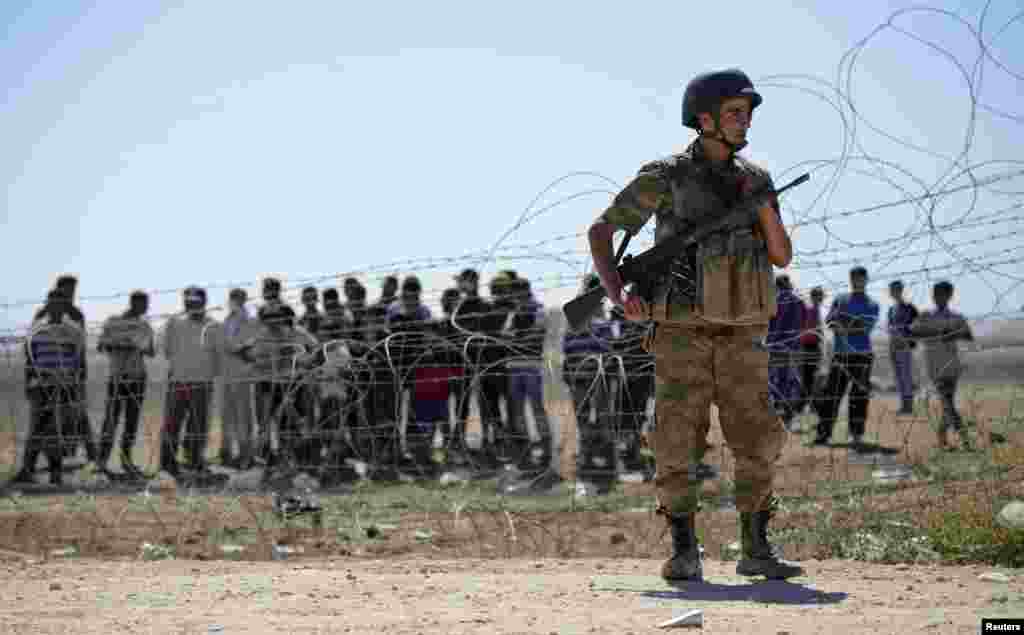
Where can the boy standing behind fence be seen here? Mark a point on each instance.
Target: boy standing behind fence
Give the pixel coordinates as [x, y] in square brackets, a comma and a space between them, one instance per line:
[940, 330]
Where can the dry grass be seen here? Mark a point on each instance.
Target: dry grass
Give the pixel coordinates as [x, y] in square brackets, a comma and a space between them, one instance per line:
[832, 508]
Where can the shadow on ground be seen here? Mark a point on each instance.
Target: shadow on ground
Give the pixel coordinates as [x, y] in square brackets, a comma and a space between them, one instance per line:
[766, 592]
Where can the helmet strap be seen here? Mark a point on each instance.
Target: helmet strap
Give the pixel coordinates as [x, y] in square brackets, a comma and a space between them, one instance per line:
[719, 136]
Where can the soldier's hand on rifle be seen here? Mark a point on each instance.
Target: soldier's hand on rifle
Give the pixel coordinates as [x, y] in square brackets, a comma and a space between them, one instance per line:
[635, 308]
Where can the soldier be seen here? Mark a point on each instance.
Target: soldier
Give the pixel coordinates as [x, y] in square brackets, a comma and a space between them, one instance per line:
[190, 344]
[941, 329]
[901, 345]
[851, 317]
[53, 353]
[810, 350]
[127, 340]
[584, 356]
[782, 342]
[237, 405]
[708, 314]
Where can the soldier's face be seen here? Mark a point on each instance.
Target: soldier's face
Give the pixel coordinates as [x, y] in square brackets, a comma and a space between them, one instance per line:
[734, 119]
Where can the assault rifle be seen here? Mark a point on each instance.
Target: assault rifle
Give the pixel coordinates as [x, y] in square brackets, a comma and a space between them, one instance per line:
[653, 263]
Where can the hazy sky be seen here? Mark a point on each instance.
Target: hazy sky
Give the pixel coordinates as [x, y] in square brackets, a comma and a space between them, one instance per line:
[158, 145]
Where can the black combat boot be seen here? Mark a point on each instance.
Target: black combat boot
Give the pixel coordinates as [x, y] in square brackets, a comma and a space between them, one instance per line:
[759, 556]
[685, 561]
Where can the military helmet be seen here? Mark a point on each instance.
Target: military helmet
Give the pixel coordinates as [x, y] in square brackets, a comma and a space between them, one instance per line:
[706, 91]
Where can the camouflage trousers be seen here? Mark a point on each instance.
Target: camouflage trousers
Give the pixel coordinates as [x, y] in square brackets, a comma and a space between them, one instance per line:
[698, 366]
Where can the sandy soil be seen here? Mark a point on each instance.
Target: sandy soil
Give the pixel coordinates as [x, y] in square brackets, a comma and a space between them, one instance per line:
[417, 595]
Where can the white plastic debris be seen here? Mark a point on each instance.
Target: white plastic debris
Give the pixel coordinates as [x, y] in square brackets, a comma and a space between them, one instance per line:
[689, 618]
[65, 552]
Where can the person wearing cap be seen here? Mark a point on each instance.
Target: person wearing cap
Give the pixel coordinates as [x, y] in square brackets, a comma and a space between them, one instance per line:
[901, 345]
[237, 399]
[190, 343]
[127, 339]
[708, 311]
[852, 317]
[810, 350]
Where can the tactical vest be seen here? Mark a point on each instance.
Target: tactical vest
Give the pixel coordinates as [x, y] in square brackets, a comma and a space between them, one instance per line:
[727, 279]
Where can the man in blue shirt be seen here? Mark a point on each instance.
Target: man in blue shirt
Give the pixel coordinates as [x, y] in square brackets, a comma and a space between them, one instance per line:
[852, 317]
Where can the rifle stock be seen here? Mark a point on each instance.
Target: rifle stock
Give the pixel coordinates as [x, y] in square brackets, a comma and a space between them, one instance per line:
[652, 262]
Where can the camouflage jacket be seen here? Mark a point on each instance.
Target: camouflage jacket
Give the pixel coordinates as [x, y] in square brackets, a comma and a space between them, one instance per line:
[728, 277]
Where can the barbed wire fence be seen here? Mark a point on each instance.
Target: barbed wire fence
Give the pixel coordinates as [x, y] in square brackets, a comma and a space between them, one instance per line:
[455, 399]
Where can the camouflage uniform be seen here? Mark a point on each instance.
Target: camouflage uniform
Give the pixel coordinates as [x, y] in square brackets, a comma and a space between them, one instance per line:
[710, 316]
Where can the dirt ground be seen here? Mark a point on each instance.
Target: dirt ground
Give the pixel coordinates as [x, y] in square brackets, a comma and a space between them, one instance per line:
[536, 572]
[419, 595]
